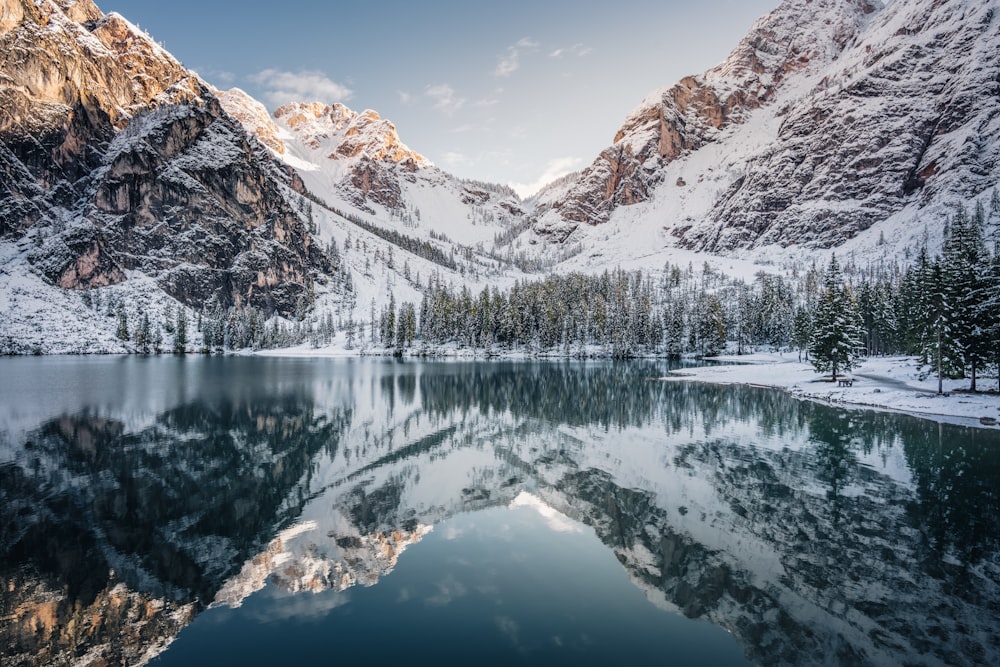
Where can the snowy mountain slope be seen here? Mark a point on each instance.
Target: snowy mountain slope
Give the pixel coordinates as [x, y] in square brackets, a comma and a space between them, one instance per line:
[357, 162]
[832, 124]
[123, 175]
[115, 159]
[829, 118]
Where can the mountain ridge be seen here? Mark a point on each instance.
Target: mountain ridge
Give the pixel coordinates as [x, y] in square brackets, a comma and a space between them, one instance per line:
[825, 137]
[829, 125]
[119, 159]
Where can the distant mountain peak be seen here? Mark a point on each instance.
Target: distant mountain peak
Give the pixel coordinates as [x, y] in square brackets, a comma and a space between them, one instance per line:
[346, 134]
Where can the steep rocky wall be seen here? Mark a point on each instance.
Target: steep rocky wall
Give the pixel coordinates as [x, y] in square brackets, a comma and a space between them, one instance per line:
[124, 160]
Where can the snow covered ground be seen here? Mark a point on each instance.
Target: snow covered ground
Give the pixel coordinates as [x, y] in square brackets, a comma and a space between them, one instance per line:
[890, 383]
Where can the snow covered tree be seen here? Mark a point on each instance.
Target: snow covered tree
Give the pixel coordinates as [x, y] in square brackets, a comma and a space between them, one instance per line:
[406, 326]
[837, 337]
[142, 335]
[987, 306]
[180, 333]
[965, 265]
[711, 327]
[350, 335]
[122, 331]
[802, 331]
[675, 330]
[941, 348]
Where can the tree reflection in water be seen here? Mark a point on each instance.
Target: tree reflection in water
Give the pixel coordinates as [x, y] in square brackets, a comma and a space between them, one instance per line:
[812, 534]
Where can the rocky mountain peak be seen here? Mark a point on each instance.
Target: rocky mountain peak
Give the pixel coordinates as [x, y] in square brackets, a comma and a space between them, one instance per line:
[80, 10]
[253, 116]
[693, 112]
[344, 133]
[115, 158]
[860, 111]
[58, 57]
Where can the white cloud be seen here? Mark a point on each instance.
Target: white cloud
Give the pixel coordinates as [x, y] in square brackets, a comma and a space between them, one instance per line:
[445, 99]
[453, 158]
[555, 168]
[578, 50]
[510, 62]
[486, 102]
[217, 76]
[404, 96]
[447, 590]
[281, 87]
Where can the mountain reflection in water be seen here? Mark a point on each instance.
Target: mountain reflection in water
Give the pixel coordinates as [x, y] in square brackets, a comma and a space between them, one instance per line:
[135, 493]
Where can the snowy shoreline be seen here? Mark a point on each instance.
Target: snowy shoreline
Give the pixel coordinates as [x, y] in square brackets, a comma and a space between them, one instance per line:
[892, 384]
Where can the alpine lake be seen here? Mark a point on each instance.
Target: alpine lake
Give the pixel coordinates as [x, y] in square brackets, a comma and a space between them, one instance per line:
[262, 511]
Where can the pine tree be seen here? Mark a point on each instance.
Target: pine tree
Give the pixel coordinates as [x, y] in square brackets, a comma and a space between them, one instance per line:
[180, 333]
[675, 331]
[350, 335]
[802, 331]
[142, 334]
[987, 301]
[158, 339]
[941, 348]
[838, 338]
[406, 326]
[965, 266]
[168, 318]
[122, 332]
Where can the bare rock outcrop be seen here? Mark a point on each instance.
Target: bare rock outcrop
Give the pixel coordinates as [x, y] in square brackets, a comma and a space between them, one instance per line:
[859, 111]
[116, 158]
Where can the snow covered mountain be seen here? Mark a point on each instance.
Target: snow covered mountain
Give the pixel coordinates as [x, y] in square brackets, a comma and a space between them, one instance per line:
[833, 124]
[357, 162]
[831, 117]
[116, 160]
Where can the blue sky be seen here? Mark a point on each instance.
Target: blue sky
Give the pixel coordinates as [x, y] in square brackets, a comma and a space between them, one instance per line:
[514, 92]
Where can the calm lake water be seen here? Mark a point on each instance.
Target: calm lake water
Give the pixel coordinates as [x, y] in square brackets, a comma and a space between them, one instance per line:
[260, 511]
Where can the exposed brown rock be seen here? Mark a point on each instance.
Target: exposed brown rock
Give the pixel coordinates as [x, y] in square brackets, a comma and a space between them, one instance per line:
[99, 120]
[694, 111]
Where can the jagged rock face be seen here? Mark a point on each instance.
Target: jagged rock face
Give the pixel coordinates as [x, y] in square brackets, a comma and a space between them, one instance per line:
[373, 159]
[357, 161]
[617, 178]
[352, 132]
[46, 625]
[693, 112]
[106, 133]
[909, 115]
[253, 116]
[873, 108]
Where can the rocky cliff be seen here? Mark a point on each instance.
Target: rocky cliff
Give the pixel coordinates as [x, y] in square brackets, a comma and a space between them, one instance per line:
[115, 158]
[357, 162]
[828, 118]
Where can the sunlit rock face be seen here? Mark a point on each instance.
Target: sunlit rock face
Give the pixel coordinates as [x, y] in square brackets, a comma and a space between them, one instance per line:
[358, 157]
[832, 115]
[372, 161]
[124, 160]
